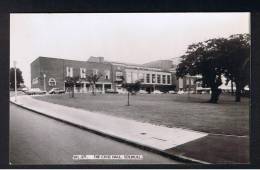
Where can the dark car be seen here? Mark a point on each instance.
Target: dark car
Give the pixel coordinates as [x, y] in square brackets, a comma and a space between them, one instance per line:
[111, 91]
[56, 91]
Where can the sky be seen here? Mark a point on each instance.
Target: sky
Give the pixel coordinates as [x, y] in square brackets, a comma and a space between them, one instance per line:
[123, 37]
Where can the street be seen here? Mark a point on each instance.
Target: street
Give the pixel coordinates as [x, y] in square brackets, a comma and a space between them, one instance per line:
[36, 139]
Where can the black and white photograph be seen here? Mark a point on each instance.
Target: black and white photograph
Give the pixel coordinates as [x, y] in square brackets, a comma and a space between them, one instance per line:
[129, 88]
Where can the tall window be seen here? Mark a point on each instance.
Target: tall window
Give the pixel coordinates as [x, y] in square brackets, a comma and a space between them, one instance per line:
[164, 79]
[168, 79]
[107, 74]
[35, 80]
[119, 75]
[129, 77]
[158, 78]
[147, 78]
[69, 71]
[52, 82]
[141, 77]
[82, 73]
[153, 78]
[134, 77]
[95, 71]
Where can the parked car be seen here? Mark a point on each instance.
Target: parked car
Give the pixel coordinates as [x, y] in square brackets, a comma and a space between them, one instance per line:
[25, 89]
[172, 92]
[180, 92]
[34, 91]
[142, 92]
[111, 91]
[56, 91]
[122, 91]
[157, 92]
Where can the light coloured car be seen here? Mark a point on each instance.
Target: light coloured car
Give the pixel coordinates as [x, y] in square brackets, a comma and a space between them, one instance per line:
[172, 92]
[142, 92]
[111, 91]
[34, 91]
[25, 89]
[180, 92]
[56, 91]
[122, 91]
[157, 92]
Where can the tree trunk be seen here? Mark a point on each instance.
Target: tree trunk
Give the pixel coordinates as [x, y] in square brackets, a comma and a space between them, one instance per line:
[232, 88]
[215, 92]
[128, 104]
[72, 95]
[93, 89]
[238, 93]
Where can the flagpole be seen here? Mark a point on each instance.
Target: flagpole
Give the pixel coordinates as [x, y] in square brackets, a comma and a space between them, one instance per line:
[15, 82]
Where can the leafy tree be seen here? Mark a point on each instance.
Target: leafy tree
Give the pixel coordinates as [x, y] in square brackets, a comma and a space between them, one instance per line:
[93, 78]
[71, 83]
[19, 77]
[132, 88]
[215, 57]
[236, 61]
[201, 59]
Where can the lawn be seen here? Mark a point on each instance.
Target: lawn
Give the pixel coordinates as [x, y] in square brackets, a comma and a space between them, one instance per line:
[172, 110]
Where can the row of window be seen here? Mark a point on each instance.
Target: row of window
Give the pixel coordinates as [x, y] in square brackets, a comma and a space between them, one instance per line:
[164, 79]
[148, 78]
[69, 72]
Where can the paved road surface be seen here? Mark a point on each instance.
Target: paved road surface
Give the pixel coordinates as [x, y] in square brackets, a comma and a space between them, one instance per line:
[35, 139]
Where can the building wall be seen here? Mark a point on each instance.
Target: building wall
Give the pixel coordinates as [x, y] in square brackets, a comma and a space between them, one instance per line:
[53, 69]
[35, 74]
[56, 69]
[102, 67]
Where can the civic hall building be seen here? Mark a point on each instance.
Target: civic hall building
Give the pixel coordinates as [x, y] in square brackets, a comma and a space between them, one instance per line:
[51, 73]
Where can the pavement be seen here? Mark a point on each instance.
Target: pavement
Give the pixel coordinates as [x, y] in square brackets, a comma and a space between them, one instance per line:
[156, 138]
[38, 140]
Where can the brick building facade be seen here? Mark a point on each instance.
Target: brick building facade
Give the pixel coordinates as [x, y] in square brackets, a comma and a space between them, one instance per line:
[47, 73]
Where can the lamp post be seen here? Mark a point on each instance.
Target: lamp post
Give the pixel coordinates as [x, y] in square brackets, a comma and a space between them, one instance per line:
[44, 85]
[189, 79]
[15, 82]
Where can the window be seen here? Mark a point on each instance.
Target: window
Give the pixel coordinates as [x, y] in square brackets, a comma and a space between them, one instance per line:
[52, 82]
[95, 71]
[158, 78]
[163, 79]
[153, 78]
[69, 71]
[35, 80]
[147, 78]
[191, 81]
[168, 79]
[134, 77]
[119, 75]
[180, 83]
[82, 73]
[107, 74]
[129, 77]
[141, 77]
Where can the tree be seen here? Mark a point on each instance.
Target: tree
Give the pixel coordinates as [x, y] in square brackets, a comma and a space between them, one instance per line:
[201, 59]
[71, 83]
[93, 78]
[216, 57]
[132, 88]
[236, 61]
[19, 77]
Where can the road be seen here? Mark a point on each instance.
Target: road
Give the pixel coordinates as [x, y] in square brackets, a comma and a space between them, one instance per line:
[36, 139]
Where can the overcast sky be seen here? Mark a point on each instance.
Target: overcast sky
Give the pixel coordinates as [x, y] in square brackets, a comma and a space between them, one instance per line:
[125, 37]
